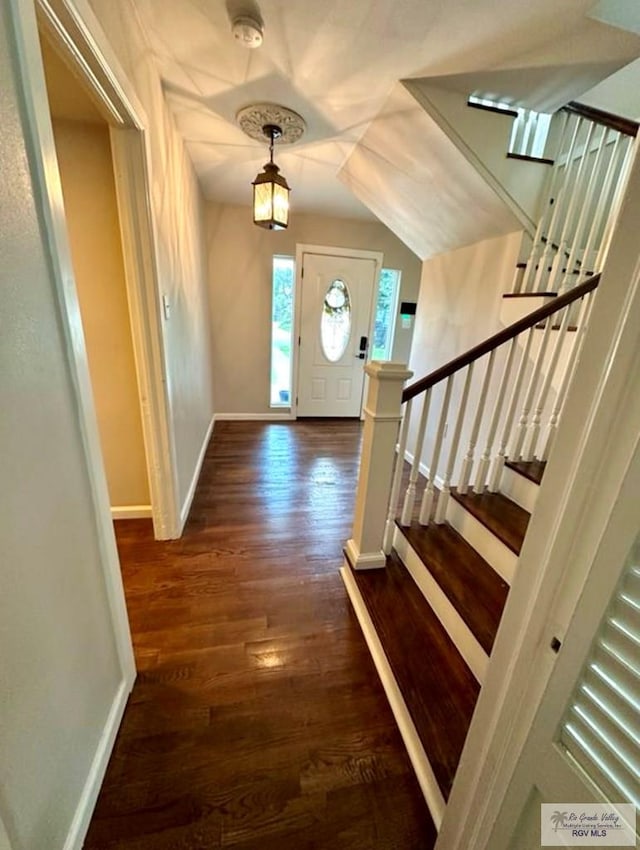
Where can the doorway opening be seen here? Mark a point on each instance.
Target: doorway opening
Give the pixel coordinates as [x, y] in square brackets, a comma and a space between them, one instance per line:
[96, 118]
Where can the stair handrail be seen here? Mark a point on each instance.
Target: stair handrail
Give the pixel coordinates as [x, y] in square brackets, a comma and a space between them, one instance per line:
[499, 338]
[626, 126]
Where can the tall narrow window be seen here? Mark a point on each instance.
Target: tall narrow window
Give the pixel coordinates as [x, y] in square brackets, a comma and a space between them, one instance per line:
[386, 308]
[282, 288]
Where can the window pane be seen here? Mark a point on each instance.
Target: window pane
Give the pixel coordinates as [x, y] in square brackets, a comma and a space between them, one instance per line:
[281, 330]
[335, 321]
[385, 314]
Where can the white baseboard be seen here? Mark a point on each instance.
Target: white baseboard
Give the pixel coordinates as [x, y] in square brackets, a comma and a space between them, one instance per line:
[186, 506]
[465, 641]
[424, 469]
[131, 512]
[423, 770]
[86, 804]
[254, 417]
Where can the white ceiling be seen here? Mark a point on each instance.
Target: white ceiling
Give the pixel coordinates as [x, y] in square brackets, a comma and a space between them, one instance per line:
[336, 62]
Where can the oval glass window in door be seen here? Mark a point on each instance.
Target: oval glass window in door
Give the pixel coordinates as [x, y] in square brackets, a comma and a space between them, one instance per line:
[335, 321]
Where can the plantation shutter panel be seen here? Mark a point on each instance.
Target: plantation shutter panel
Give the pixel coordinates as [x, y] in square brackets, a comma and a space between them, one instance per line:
[601, 730]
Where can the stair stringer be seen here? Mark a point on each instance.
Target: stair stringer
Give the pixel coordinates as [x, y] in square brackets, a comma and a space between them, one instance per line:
[483, 138]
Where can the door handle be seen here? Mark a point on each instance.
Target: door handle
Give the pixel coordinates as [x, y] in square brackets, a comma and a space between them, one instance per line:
[363, 348]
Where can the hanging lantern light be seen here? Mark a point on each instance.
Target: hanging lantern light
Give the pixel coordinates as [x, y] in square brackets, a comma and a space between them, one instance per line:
[273, 122]
[271, 190]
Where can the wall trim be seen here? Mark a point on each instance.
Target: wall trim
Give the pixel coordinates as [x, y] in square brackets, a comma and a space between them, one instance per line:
[186, 505]
[86, 804]
[254, 417]
[419, 760]
[131, 512]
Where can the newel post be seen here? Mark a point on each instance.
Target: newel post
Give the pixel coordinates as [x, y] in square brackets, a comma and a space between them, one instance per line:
[382, 415]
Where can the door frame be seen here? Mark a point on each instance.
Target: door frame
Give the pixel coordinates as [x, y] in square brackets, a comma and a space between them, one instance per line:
[76, 34]
[356, 254]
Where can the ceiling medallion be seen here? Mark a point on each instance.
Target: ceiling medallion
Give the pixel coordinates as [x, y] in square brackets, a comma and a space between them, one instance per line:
[253, 119]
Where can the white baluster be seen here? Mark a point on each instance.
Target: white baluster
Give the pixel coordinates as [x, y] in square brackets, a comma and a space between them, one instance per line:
[529, 451]
[586, 212]
[483, 465]
[572, 211]
[397, 479]
[429, 492]
[467, 463]
[617, 202]
[528, 133]
[603, 207]
[443, 498]
[516, 132]
[583, 321]
[554, 184]
[518, 278]
[499, 459]
[410, 495]
[521, 432]
[565, 176]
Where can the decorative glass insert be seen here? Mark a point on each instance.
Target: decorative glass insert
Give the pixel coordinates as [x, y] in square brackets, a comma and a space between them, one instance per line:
[335, 322]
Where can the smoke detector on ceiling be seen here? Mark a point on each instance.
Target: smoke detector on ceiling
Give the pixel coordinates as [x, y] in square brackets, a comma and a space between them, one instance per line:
[247, 30]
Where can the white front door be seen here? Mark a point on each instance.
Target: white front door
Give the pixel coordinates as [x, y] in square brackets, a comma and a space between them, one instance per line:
[335, 317]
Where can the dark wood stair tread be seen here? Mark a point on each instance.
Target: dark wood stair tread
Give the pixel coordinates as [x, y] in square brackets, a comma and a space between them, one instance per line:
[499, 514]
[533, 470]
[438, 688]
[472, 586]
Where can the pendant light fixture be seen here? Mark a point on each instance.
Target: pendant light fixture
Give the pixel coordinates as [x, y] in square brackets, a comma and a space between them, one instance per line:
[271, 190]
[268, 121]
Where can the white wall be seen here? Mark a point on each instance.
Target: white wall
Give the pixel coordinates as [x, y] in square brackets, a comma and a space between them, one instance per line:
[485, 135]
[177, 211]
[459, 306]
[60, 674]
[240, 263]
[86, 171]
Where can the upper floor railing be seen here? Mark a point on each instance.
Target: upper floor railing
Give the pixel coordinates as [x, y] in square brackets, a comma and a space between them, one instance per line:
[585, 188]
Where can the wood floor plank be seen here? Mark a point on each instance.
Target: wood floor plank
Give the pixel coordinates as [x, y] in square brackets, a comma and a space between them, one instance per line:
[257, 719]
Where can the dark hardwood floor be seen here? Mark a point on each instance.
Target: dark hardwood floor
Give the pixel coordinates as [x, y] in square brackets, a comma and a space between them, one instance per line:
[257, 719]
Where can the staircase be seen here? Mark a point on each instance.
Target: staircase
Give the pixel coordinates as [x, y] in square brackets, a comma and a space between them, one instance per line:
[451, 597]
[444, 512]
[452, 464]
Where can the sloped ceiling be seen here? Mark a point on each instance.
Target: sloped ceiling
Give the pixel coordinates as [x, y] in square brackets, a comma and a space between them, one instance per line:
[336, 63]
[406, 169]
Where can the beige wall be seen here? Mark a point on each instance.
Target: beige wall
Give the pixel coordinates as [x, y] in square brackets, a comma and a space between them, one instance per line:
[459, 306]
[60, 675]
[240, 258]
[177, 212]
[86, 171]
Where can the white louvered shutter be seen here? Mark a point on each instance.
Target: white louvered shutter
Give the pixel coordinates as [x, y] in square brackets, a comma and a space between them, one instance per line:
[601, 730]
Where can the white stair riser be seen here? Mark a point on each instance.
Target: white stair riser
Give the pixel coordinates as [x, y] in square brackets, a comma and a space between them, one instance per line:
[519, 489]
[486, 544]
[461, 635]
